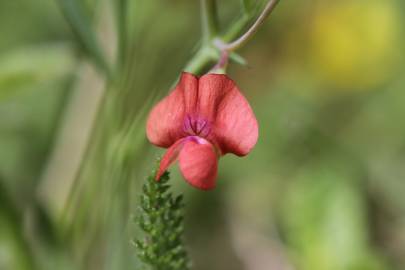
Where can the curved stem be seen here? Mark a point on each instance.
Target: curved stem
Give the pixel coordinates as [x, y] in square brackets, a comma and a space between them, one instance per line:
[220, 67]
[251, 31]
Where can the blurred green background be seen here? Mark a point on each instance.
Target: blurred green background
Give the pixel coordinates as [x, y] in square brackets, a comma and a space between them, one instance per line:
[323, 189]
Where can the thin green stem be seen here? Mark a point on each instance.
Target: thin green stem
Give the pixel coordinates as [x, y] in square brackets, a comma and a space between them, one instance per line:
[201, 60]
[251, 31]
[122, 29]
[220, 67]
[209, 20]
[237, 28]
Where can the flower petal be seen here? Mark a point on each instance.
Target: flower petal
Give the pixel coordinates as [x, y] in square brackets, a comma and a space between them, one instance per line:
[169, 157]
[235, 127]
[165, 122]
[199, 163]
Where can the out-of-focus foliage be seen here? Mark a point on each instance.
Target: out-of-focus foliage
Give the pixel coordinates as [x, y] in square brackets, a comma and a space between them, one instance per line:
[28, 68]
[323, 189]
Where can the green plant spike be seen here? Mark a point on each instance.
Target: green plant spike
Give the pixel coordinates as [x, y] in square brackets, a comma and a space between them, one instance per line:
[160, 217]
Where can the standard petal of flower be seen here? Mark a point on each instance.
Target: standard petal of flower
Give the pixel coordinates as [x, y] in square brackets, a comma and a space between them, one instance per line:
[199, 164]
[212, 88]
[165, 122]
[235, 126]
[169, 157]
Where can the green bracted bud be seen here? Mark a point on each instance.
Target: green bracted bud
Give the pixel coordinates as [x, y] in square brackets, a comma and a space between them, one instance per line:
[160, 217]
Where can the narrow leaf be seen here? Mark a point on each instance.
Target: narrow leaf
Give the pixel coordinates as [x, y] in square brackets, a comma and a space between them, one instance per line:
[81, 27]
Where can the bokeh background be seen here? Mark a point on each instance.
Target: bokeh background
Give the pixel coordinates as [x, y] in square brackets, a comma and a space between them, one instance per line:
[323, 189]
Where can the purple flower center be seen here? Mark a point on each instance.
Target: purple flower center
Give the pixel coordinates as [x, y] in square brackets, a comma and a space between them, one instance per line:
[196, 126]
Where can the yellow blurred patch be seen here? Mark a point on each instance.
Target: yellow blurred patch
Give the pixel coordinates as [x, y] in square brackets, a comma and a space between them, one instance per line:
[355, 44]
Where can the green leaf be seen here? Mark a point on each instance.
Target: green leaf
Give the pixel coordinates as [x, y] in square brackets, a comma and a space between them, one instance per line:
[86, 36]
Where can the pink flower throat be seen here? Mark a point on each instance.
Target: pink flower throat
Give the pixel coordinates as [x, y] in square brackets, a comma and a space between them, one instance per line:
[196, 126]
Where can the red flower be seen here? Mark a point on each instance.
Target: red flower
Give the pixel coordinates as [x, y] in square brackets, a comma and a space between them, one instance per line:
[199, 121]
